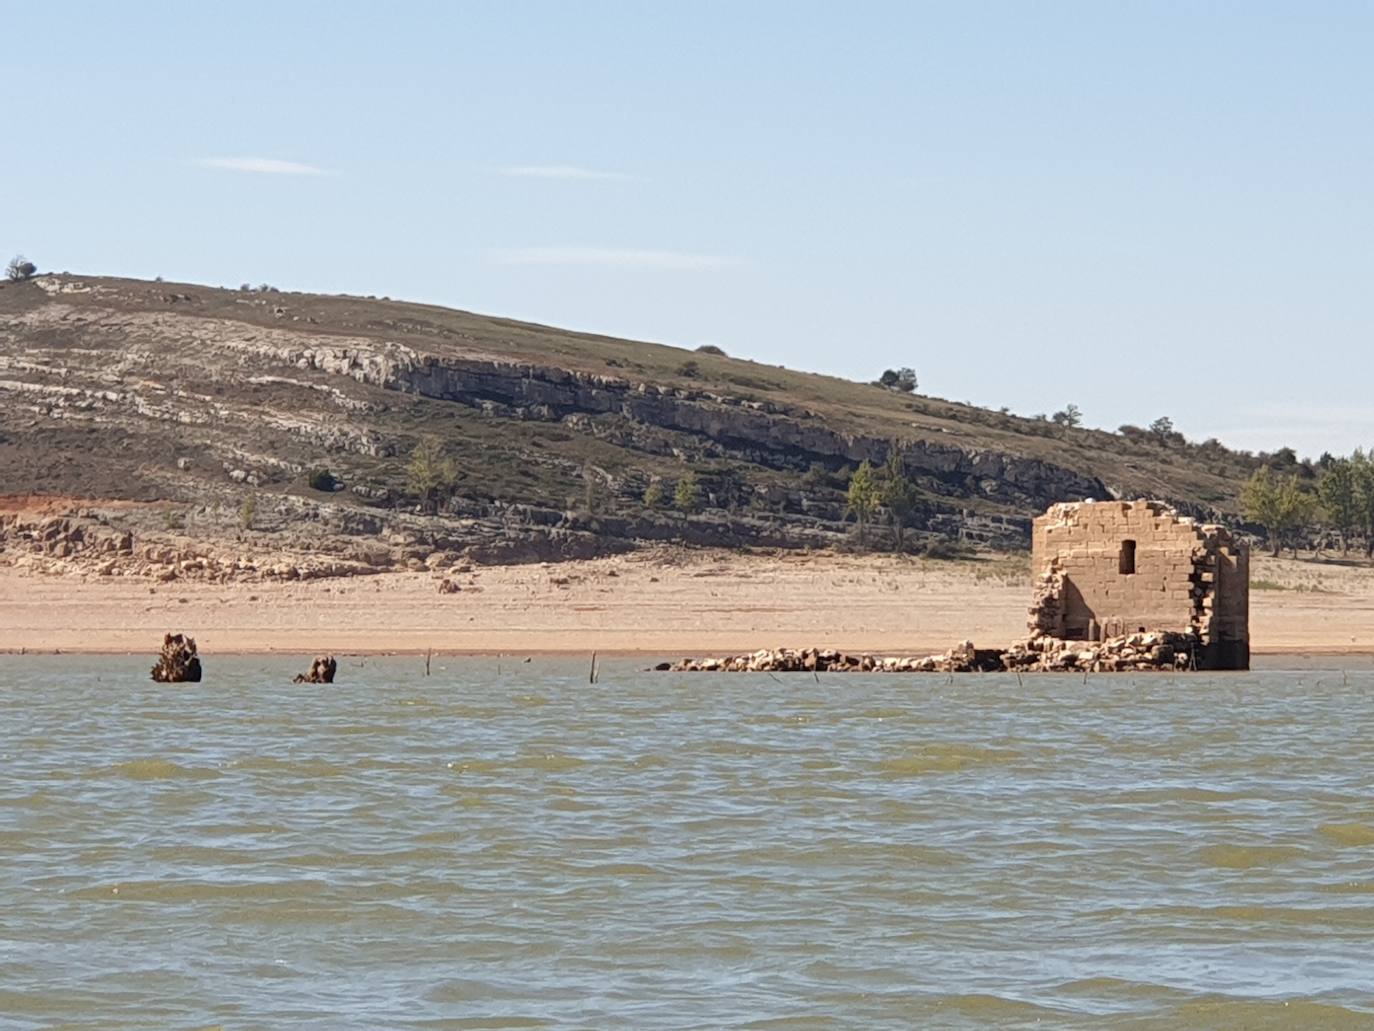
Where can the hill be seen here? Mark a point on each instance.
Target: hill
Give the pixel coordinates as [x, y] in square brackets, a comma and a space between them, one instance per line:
[197, 416]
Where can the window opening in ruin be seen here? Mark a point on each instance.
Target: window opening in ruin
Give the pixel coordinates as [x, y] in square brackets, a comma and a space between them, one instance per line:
[1126, 563]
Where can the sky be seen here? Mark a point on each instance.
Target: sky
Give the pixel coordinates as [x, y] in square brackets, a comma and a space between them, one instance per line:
[1143, 209]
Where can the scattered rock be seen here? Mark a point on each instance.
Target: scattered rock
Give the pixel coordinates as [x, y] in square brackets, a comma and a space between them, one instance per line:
[1139, 652]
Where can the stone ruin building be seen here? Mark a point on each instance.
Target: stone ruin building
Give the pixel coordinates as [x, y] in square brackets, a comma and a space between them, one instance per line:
[1109, 569]
[1120, 586]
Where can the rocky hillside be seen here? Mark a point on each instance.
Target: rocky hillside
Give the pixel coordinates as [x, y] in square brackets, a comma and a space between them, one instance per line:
[192, 418]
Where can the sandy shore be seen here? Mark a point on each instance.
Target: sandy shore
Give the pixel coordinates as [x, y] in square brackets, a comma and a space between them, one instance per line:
[662, 603]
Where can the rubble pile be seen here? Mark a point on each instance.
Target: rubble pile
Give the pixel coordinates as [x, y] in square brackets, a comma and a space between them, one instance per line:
[962, 658]
[1139, 652]
[178, 663]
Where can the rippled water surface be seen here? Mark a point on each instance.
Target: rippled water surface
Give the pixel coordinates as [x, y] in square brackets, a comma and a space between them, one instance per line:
[512, 847]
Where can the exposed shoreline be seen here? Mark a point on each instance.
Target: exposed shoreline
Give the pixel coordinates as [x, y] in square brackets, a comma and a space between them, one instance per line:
[666, 604]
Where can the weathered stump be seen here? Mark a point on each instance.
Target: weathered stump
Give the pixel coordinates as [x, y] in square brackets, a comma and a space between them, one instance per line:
[178, 663]
[321, 671]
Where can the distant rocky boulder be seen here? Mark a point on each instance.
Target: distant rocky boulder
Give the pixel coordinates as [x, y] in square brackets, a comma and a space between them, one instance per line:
[321, 671]
[178, 663]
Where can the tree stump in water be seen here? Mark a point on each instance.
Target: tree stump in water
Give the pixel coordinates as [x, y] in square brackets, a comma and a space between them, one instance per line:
[178, 663]
[321, 671]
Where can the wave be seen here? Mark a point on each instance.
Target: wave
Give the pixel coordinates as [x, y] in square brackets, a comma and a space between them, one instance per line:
[160, 769]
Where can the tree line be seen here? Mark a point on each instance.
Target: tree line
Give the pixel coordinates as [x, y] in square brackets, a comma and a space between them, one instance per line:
[1341, 500]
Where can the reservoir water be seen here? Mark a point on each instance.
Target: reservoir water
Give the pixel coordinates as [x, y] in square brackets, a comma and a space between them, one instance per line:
[501, 844]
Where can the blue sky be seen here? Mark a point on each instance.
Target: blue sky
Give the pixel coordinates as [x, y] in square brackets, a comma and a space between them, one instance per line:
[1144, 209]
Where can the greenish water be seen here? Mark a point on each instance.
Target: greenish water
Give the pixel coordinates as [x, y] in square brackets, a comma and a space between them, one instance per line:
[520, 849]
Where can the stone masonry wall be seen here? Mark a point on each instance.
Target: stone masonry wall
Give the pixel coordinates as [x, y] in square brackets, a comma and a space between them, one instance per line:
[1112, 568]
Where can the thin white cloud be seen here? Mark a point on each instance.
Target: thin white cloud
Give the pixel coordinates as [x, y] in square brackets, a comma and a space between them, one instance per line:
[613, 257]
[263, 166]
[564, 172]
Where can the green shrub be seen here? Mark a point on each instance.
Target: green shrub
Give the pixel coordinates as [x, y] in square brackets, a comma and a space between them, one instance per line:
[431, 475]
[323, 480]
[687, 496]
[946, 549]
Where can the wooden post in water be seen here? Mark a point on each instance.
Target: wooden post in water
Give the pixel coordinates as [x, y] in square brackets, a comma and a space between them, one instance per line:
[428, 655]
[591, 674]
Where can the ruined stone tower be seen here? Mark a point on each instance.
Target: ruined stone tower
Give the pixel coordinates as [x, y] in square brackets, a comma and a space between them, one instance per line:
[1108, 568]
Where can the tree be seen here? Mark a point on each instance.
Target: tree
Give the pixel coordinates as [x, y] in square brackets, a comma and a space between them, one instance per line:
[430, 474]
[1163, 429]
[1362, 466]
[902, 380]
[863, 496]
[654, 495]
[20, 268]
[1279, 505]
[591, 493]
[1069, 416]
[687, 494]
[899, 496]
[1336, 489]
[247, 511]
[1301, 508]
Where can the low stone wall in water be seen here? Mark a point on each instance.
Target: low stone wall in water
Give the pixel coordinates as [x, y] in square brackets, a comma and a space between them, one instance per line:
[1139, 652]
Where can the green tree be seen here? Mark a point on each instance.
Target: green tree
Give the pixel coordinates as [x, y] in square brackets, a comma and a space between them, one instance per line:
[1069, 415]
[247, 511]
[902, 380]
[1163, 429]
[863, 497]
[1336, 489]
[1362, 467]
[898, 496]
[430, 474]
[1302, 509]
[20, 268]
[1279, 505]
[653, 494]
[687, 494]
